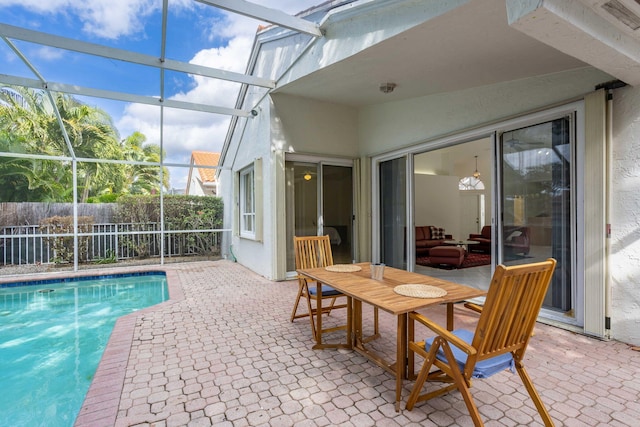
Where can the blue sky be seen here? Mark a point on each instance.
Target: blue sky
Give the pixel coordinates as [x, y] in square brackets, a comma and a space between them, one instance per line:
[196, 33]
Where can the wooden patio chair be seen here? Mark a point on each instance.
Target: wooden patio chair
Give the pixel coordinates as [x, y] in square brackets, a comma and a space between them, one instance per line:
[313, 252]
[500, 340]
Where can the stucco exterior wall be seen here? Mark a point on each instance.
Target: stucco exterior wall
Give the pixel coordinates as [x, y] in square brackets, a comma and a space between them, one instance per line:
[256, 143]
[195, 187]
[262, 137]
[392, 125]
[625, 221]
[316, 127]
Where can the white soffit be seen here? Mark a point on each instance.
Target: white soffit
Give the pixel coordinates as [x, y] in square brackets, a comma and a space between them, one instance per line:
[584, 30]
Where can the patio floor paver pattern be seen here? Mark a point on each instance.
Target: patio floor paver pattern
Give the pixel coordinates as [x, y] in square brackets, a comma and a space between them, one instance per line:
[227, 355]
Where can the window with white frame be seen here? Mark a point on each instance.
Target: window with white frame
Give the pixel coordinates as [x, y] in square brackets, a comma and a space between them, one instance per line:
[247, 222]
[247, 203]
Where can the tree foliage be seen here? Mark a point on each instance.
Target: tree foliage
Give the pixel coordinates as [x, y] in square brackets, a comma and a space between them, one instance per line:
[29, 125]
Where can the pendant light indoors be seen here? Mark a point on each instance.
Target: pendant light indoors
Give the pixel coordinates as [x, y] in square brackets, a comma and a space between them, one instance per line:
[471, 182]
[476, 174]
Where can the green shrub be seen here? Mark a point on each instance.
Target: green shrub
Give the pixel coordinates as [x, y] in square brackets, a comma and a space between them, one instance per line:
[110, 258]
[108, 198]
[105, 198]
[180, 213]
[63, 245]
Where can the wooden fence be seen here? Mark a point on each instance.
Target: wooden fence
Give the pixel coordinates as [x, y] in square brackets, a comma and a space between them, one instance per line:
[32, 213]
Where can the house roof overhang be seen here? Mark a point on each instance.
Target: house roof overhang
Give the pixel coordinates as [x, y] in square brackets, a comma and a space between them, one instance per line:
[602, 33]
[429, 48]
[476, 43]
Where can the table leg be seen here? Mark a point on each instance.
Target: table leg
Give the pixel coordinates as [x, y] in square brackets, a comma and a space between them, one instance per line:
[357, 322]
[401, 357]
[450, 316]
[319, 314]
[411, 359]
[350, 331]
[349, 327]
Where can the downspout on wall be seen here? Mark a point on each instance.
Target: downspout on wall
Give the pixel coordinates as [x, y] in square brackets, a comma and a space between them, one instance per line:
[609, 86]
[609, 201]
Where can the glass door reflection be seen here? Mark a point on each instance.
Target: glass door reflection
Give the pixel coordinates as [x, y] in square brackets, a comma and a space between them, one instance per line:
[536, 202]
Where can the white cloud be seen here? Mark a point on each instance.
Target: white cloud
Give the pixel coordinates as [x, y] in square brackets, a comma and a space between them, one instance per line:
[49, 53]
[185, 131]
[114, 18]
[105, 18]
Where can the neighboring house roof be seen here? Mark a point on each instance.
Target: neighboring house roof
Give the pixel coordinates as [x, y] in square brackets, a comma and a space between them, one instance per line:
[206, 175]
[205, 158]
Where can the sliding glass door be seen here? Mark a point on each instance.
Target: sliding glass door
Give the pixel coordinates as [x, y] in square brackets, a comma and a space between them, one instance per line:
[337, 211]
[536, 203]
[529, 206]
[393, 212]
[319, 201]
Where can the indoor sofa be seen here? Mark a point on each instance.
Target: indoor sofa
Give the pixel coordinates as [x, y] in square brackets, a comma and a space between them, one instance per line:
[483, 239]
[427, 237]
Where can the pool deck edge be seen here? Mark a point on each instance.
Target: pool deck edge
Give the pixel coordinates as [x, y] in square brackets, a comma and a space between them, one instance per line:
[100, 406]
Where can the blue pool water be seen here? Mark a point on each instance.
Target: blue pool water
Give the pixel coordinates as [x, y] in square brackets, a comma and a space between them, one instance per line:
[52, 336]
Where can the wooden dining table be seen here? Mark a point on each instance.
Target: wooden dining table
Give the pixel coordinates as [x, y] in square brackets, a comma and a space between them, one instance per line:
[360, 288]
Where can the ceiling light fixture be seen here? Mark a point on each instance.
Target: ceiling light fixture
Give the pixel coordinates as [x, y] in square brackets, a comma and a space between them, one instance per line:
[476, 174]
[387, 87]
[307, 176]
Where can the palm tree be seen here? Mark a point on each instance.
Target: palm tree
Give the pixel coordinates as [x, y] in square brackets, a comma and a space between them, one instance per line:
[143, 179]
[92, 136]
[24, 116]
[28, 124]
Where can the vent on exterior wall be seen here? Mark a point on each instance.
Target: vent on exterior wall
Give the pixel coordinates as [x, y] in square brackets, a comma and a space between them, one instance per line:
[624, 14]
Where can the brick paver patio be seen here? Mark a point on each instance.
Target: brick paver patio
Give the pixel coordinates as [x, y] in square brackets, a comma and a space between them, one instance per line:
[222, 352]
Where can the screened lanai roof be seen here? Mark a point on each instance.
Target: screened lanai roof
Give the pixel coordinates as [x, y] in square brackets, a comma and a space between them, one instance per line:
[141, 63]
[171, 70]
[176, 53]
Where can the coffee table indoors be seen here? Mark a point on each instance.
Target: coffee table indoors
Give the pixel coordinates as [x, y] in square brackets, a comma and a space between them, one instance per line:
[461, 243]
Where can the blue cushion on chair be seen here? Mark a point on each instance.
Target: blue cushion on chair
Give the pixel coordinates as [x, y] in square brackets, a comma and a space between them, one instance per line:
[484, 368]
[327, 291]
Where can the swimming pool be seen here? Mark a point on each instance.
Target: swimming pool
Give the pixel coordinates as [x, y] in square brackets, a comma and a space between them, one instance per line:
[52, 336]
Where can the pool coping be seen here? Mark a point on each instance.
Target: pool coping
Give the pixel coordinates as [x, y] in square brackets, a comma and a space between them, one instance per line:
[101, 403]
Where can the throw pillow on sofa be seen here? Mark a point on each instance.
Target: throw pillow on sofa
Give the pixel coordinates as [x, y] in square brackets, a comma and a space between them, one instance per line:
[437, 233]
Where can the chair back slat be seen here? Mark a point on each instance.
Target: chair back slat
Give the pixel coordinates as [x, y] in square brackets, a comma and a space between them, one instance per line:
[313, 251]
[511, 308]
